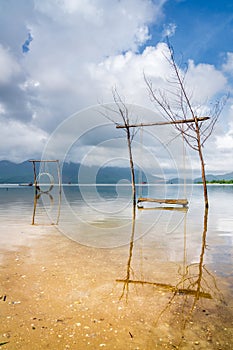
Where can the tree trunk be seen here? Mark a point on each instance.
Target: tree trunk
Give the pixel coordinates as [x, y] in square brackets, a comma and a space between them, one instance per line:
[203, 175]
[131, 167]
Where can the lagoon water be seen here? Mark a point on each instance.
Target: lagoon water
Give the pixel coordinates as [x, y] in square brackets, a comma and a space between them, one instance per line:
[101, 217]
[185, 253]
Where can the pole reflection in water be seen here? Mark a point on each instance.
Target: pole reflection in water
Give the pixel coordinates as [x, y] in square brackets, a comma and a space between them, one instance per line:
[47, 195]
[195, 283]
[129, 269]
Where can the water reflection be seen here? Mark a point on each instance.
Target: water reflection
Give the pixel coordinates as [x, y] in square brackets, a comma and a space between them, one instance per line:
[47, 185]
[195, 281]
[128, 280]
[46, 203]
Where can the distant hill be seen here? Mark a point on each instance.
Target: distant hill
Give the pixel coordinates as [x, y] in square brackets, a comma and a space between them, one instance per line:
[104, 175]
[210, 177]
[15, 173]
[23, 173]
[177, 180]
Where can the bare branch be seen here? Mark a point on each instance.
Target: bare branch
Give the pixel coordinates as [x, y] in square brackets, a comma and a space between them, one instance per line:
[123, 111]
[175, 102]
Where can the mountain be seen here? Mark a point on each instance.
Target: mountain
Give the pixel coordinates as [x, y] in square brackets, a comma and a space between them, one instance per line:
[15, 173]
[177, 180]
[23, 173]
[103, 175]
[210, 177]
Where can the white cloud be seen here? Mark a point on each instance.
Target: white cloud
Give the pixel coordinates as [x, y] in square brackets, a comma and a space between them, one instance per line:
[204, 81]
[228, 65]
[68, 37]
[142, 35]
[169, 30]
[58, 9]
[8, 66]
[20, 141]
[225, 142]
[2, 109]
[125, 71]
[91, 28]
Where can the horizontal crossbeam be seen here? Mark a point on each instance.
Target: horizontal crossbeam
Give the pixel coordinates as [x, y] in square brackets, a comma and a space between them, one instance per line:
[42, 160]
[181, 121]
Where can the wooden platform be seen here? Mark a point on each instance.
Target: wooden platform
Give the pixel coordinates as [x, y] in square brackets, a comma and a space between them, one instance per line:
[183, 209]
[182, 201]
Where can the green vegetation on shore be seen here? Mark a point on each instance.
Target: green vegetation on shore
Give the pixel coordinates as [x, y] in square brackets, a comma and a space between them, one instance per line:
[219, 182]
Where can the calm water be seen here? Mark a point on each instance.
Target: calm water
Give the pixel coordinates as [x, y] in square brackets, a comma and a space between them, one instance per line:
[167, 274]
[102, 217]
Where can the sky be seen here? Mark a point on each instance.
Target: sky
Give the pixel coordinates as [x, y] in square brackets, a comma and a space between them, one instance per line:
[60, 58]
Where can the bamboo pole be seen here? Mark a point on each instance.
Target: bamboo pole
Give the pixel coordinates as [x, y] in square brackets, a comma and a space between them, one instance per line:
[59, 198]
[35, 193]
[166, 201]
[41, 160]
[182, 121]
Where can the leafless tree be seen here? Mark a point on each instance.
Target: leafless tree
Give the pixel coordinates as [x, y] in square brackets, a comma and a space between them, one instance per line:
[177, 104]
[121, 109]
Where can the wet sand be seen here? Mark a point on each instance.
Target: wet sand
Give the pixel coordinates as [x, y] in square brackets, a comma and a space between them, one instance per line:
[57, 294]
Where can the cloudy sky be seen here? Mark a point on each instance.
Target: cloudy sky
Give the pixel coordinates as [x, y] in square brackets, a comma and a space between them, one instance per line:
[59, 57]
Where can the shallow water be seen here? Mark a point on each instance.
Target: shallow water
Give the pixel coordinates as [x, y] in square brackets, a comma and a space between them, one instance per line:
[102, 218]
[165, 276]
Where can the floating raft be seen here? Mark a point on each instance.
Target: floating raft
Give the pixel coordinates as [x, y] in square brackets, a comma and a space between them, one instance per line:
[182, 202]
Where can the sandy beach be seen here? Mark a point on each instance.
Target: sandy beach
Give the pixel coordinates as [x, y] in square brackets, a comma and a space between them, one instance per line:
[57, 294]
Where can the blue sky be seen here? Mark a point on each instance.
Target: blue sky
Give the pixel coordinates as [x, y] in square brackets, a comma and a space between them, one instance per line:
[62, 56]
[204, 29]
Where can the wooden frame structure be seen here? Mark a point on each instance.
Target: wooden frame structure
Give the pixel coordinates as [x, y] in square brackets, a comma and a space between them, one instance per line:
[34, 161]
[38, 192]
[180, 201]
